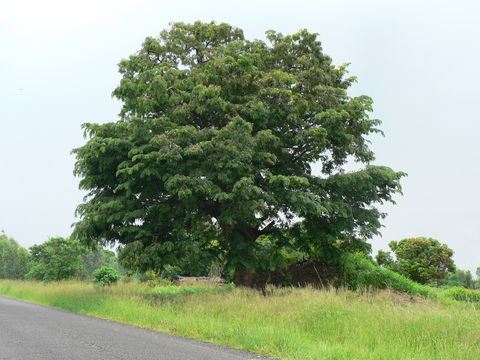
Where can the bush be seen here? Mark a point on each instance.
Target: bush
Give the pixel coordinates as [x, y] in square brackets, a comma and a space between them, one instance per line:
[171, 272]
[105, 276]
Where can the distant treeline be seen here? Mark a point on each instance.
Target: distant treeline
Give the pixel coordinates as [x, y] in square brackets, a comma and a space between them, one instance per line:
[14, 259]
[66, 258]
[461, 278]
[56, 259]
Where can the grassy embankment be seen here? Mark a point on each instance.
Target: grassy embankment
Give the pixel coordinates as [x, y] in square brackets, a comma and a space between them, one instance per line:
[287, 324]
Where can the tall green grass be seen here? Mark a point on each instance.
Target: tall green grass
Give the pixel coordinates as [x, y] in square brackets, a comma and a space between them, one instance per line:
[362, 273]
[462, 294]
[303, 324]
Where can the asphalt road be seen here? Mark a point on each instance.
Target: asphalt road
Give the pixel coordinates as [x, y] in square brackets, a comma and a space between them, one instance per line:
[35, 332]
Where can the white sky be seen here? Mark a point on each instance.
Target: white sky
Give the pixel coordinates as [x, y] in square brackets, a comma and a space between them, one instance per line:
[418, 60]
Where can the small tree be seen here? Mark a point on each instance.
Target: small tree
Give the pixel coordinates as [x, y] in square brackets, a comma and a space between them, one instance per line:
[420, 259]
[56, 259]
[105, 276]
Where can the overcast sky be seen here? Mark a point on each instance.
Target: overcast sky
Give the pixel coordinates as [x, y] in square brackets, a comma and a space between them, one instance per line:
[418, 60]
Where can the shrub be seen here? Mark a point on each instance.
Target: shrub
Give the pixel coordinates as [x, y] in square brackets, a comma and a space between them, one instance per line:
[105, 276]
[171, 272]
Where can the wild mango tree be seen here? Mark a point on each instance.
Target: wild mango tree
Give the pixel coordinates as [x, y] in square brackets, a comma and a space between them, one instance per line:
[214, 150]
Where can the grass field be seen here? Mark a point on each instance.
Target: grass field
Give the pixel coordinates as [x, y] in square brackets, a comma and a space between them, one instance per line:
[287, 324]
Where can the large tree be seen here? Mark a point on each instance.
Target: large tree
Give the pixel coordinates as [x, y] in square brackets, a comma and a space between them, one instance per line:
[214, 149]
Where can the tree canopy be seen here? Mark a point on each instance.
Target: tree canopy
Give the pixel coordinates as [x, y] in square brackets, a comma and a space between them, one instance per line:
[13, 259]
[56, 259]
[420, 259]
[214, 151]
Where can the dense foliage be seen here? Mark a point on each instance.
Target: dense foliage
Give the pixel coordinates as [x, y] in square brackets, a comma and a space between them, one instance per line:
[215, 146]
[13, 259]
[56, 259]
[95, 258]
[195, 262]
[105, 276]
[420, 259]
[459, 278]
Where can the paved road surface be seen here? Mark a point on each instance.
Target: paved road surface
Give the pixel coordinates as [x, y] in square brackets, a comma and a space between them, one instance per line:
[35, 332]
